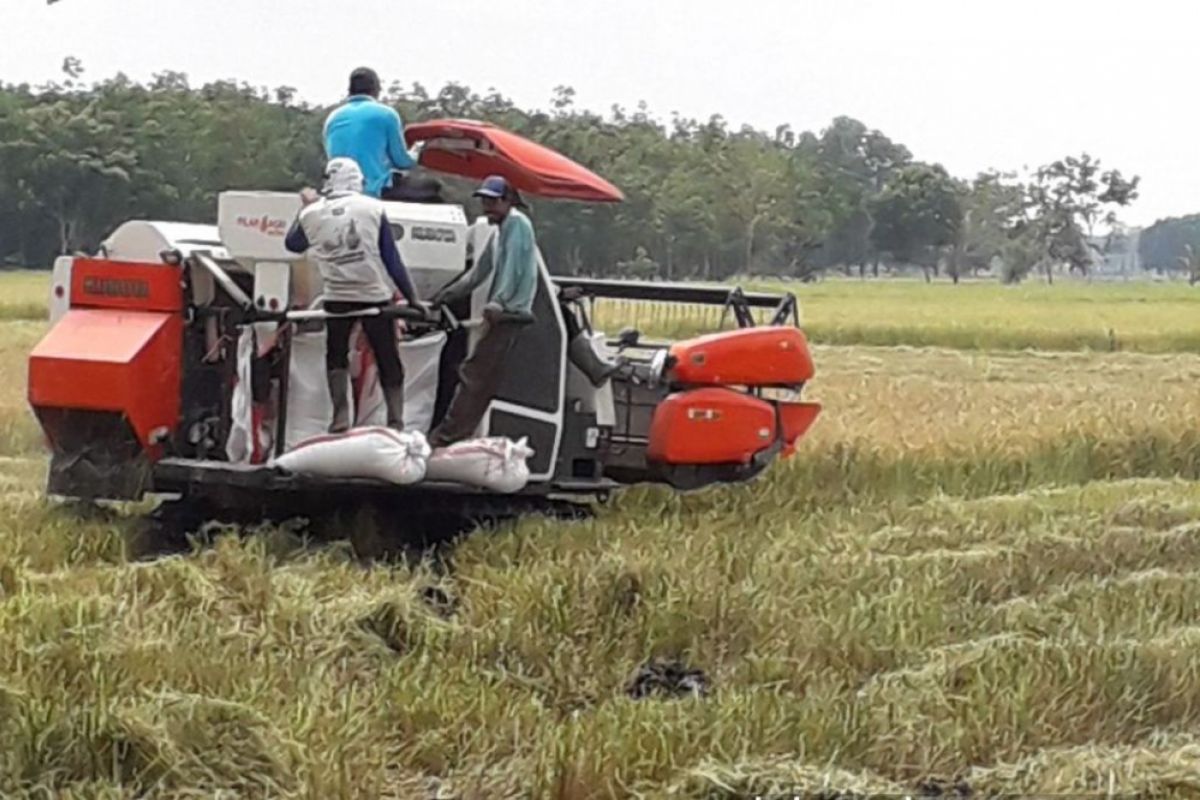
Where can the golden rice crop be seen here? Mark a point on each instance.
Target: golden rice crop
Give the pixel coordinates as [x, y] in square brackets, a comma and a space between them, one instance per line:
[1138, 316]
[25, 294]
[980, 571]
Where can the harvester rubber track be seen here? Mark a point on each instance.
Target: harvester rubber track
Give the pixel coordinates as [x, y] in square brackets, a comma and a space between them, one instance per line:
[213, 492]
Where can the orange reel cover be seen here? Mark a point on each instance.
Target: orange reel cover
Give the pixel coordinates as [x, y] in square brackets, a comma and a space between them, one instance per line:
[773, 355]
[710, 426]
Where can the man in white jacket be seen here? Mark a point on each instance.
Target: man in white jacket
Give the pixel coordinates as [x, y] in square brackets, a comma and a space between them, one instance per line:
[347, 236]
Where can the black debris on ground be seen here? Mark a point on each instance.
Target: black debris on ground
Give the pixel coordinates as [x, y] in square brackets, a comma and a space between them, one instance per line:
[668, 678]
[942, 787]
[439, 601]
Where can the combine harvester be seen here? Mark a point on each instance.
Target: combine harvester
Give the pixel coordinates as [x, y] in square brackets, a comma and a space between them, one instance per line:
[186, 360]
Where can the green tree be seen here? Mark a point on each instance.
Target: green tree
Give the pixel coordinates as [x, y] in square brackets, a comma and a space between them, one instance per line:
[991, 207]
[917, 215]
[641, 267]
[855, 163]
[1163, 244]
[1067, 198]
[71, 163]
[1045, 222]
[704, 200]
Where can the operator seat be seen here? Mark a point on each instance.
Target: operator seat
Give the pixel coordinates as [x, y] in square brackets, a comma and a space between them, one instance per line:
[408, 187]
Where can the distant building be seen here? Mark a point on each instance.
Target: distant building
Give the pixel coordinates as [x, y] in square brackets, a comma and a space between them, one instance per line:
[1116, 253]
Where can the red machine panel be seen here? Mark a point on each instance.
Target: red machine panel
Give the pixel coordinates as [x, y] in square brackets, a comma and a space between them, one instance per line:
[108, 360]
[795, 420]
[765, 356]
[97, 283]
[710, 426]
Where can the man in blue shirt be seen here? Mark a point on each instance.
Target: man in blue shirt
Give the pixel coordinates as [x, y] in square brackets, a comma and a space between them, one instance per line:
[372, 134]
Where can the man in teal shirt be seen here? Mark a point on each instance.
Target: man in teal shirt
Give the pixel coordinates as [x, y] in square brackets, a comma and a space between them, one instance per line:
[372, 134]
[513, 257]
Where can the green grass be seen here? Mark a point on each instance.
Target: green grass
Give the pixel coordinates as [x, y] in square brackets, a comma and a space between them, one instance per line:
[25, 294]
[981, 566]
[1100, 317]
[1138, 316]
[1141, 316]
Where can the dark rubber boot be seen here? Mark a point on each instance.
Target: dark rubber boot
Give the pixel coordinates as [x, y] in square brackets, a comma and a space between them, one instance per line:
[339, 394]
[583, 355]
[394, 398]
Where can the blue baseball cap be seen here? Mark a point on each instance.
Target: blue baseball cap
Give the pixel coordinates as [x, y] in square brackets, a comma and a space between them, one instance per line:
[493, 186]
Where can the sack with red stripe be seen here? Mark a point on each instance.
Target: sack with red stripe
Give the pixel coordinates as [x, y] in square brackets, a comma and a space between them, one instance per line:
[380, 454]
[494, 463]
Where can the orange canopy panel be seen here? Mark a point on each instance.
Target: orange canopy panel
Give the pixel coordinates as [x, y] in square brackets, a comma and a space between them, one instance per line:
[107, 360]
[476, 150]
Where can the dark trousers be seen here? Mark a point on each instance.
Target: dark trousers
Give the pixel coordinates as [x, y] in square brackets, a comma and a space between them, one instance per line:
[479, 380]
[570, 320]
[381, 335]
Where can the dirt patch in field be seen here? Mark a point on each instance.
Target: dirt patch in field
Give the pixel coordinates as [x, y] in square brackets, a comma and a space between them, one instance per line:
[668, 679]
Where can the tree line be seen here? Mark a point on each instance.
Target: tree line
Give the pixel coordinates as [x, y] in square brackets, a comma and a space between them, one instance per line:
[1172, 246]
[705, 200]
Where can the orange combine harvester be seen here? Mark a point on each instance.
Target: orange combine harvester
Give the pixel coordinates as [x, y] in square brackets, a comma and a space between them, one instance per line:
[181, 361]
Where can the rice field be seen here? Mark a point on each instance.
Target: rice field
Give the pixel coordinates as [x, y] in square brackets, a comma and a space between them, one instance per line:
[25, 293]
[1097, 317]
[980, 574]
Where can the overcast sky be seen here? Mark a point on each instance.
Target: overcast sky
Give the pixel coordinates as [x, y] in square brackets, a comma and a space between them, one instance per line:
[972, 84]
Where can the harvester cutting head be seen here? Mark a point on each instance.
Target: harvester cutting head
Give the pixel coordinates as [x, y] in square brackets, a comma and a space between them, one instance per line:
[186, 359]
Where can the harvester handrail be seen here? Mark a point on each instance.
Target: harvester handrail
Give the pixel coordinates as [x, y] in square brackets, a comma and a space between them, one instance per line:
[205, 260]
[310, 314]
[397, 312]
[439, 316]
[222, 277]
[670, 292]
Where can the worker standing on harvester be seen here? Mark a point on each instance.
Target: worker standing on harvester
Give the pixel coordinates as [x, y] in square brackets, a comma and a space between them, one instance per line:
[372, 134]
[513, 256]
[348, 237]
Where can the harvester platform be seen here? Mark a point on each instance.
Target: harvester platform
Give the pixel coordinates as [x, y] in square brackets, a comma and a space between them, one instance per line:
[238, 486]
